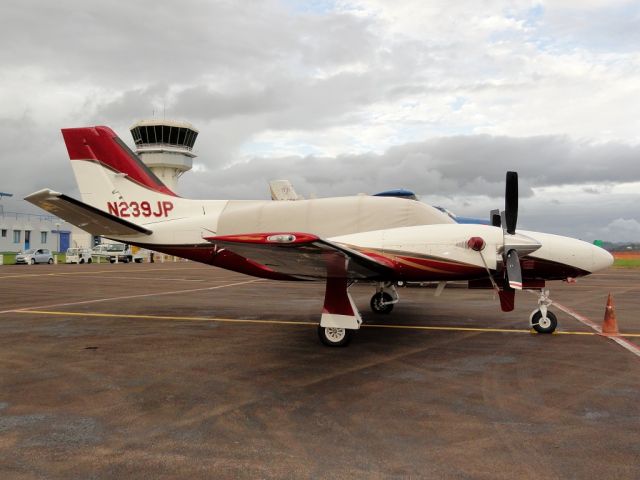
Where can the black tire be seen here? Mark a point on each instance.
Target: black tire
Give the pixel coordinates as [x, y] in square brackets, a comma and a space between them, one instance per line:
[89, 260]
[127, 259]
[112, 260]
[138, 260]
[50, 261]
[32, 261]
[81, 261]
[547, 326]
[335, 337]
[376, 303]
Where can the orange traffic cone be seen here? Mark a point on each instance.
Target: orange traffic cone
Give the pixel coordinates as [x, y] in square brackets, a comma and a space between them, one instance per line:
[610, 324]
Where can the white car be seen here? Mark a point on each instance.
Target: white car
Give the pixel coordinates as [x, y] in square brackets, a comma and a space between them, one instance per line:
[78, 255]
[30, 257]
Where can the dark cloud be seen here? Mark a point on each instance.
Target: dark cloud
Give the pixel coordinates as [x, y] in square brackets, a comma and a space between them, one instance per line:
[451, 166]
[349, 77]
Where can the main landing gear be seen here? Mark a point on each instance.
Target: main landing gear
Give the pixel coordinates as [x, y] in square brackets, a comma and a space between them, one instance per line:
[340, 317]
[541, 319]
[384, 299]
[334, 336]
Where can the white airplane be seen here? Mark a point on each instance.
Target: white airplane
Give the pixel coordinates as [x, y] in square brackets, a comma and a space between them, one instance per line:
[380, 240]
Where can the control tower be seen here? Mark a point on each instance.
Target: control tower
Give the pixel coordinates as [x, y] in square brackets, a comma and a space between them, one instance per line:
[166, 147]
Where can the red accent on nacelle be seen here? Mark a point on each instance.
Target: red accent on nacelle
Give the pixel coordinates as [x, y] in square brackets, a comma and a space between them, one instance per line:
[102, 144]
[507, 300]
[264, 238]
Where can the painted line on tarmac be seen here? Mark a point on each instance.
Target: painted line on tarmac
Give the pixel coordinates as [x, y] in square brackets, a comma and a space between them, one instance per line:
[126, 297]
[151, 278]
[619, 338]
[163, 317]
[55, 274]
[488, 330]
[293, 322]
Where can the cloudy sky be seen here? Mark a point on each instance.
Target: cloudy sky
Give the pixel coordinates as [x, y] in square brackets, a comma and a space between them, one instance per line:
[343, 97]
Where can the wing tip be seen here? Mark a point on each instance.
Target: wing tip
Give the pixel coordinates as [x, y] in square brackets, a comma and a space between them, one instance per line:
[45, 192]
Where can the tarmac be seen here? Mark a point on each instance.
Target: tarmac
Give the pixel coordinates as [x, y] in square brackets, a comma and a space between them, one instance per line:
[179, 370]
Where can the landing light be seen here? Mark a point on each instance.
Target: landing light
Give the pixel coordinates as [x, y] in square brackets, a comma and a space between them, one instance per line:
[281, 238]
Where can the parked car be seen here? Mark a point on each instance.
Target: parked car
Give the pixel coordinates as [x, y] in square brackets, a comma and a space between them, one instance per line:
[78, 255]
[30, 257]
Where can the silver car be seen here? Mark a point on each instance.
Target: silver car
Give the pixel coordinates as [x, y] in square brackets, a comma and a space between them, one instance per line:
[40, 255]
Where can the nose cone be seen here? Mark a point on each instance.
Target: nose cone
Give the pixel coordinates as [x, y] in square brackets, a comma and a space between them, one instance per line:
[601, 259]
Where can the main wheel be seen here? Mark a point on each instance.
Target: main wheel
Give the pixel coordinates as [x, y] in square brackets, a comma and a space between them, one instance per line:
[50, 261]
[380, 302]
[32, 261]
[81, 261]
[335, 337]
[542, 324]
[88, 260]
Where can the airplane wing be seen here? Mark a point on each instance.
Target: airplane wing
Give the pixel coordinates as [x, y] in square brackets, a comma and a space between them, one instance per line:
[304, 256]
[88, 218]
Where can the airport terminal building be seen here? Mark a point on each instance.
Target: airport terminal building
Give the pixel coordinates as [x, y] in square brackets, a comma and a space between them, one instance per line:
[23, 231]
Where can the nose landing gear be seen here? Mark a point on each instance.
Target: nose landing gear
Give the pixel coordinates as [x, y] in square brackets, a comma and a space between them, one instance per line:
[541, 319]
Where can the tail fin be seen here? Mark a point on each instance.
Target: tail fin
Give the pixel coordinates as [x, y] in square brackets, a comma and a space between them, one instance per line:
[101, 144]
[112, 178]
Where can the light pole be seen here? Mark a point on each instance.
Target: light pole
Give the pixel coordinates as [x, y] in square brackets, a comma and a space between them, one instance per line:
[3, 194]
[58, 243]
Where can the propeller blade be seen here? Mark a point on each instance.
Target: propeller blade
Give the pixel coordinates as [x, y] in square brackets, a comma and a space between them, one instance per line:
[511, 202]
[514, 273]
[494, 218]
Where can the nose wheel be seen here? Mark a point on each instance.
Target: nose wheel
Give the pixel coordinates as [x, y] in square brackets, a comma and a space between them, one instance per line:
[541, 319]
[543, 323]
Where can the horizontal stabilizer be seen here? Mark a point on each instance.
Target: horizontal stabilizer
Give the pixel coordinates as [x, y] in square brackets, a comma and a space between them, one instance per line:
[86, 217]
[302, 255]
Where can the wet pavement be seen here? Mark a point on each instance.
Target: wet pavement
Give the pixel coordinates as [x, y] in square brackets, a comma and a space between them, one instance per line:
[180, 370]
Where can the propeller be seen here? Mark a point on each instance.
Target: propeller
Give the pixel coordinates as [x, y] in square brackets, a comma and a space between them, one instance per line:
[511, 258]
[514, 244]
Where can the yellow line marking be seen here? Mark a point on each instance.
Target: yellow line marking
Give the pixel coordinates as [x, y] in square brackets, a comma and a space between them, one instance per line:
[456, 329]
[159, 317]
[126, 297]
[93, 272]
[287, 322]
